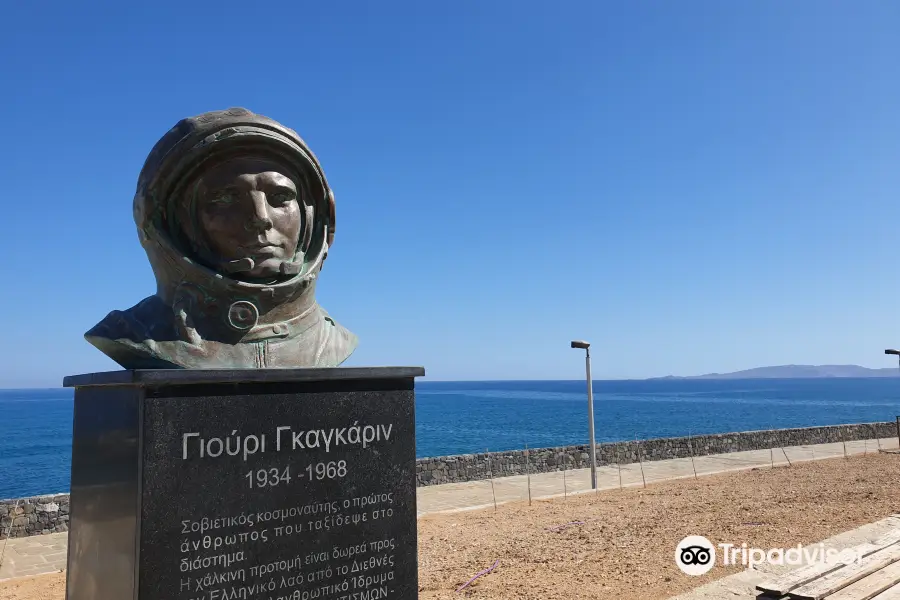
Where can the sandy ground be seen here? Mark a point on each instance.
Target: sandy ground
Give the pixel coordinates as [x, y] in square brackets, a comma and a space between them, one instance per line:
[42, 587]
[625, 548]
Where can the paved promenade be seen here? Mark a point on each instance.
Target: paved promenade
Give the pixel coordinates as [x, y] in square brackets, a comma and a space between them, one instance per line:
[477, 494]
[36, 555]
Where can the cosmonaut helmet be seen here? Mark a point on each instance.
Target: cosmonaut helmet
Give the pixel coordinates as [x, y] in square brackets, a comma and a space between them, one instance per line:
[166, 218]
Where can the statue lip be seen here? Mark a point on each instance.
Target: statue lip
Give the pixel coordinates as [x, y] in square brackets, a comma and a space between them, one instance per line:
[256, 247]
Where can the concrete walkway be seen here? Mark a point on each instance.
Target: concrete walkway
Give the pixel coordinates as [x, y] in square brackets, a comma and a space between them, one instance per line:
[472, 495]
[36, 555]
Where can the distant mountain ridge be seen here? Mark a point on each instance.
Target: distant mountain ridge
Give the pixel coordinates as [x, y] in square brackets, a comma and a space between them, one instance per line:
[798, 372]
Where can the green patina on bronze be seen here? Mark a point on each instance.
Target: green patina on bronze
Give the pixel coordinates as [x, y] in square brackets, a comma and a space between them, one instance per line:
[236, 217]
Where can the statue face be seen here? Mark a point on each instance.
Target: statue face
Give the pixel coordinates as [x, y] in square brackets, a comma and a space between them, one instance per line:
[248, 209]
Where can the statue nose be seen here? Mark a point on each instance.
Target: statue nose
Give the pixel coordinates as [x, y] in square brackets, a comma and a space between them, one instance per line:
[259, 219]
[258, 223]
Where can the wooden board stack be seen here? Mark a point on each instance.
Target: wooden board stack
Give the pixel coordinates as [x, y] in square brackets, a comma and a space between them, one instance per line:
[875, 577]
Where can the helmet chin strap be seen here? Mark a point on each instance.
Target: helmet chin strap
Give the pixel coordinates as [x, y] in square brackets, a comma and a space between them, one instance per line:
[290, 268]
[243, 265]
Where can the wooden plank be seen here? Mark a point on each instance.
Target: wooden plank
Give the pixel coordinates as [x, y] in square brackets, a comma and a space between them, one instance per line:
[889, 594]
[869, 587]
[889, 538]
[841, 578]
[789, 581]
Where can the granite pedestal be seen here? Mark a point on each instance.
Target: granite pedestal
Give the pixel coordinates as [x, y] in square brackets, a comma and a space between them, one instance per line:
[221, 484]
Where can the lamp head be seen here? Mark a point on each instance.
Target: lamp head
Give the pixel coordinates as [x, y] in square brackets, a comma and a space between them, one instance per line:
[585, 345]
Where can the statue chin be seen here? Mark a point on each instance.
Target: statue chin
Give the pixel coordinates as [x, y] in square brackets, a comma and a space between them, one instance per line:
[248, 270]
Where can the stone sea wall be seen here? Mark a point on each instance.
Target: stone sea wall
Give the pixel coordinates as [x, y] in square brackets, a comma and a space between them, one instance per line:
[470, 467]
[34, 516]
[50, 514]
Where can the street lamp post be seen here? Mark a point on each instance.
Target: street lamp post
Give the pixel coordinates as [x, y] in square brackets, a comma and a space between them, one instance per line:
[590, 392]
[891, 351]
[897, 354]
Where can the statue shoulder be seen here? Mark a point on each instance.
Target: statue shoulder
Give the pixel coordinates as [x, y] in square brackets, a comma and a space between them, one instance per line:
[130, 336]
[339, 343]
[149, 319]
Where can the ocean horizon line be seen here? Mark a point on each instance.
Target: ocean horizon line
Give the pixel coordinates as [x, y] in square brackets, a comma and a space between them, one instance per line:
[418, 380]
[456, 417]
[661, 379]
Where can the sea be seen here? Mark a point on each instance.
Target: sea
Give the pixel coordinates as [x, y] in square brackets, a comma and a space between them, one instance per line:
[473, 416]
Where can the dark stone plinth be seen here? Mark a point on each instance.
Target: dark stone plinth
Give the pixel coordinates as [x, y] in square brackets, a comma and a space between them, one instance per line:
[271, 483]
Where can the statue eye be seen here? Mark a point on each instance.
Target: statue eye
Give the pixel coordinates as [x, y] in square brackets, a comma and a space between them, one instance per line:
[223, 198]
[281, 198]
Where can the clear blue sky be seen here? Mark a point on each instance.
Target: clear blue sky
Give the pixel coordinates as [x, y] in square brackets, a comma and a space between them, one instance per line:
[693, 186]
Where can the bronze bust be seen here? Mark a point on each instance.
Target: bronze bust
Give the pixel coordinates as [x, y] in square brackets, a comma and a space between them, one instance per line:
[236, 217]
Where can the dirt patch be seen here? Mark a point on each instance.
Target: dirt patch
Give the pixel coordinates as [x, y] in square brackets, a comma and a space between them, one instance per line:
[621, 544]
[626, 546]
[41, 587]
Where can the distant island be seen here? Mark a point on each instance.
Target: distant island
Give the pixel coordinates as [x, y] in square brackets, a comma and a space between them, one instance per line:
[797, 372]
